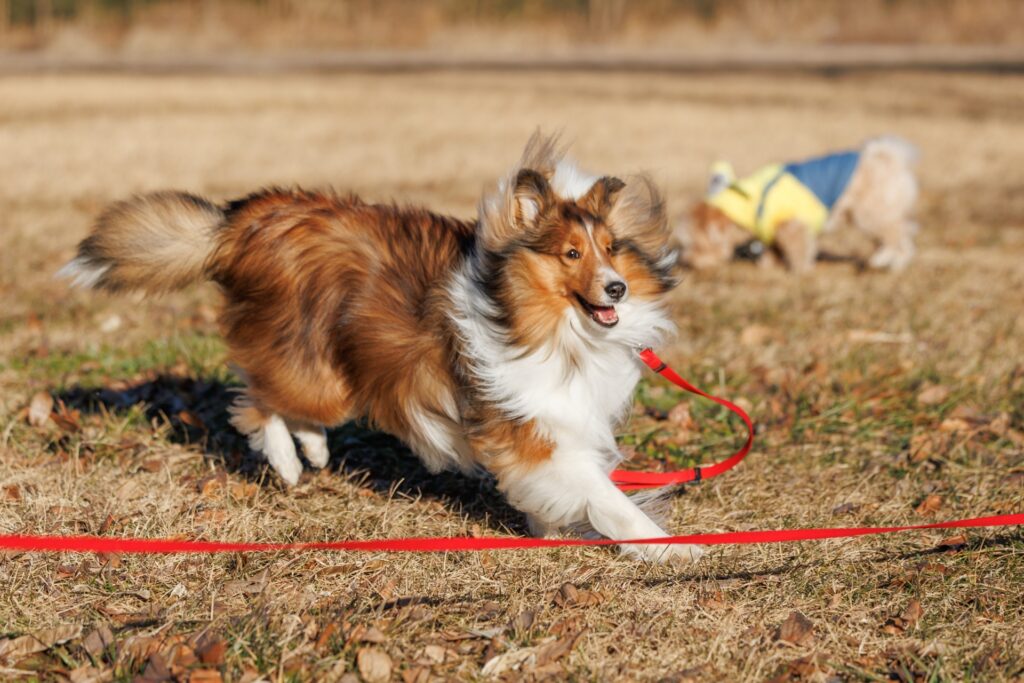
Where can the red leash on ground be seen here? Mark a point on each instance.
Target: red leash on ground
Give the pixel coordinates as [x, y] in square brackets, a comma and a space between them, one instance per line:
[625, 480]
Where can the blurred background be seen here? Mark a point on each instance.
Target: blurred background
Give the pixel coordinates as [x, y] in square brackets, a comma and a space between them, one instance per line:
[97, 29]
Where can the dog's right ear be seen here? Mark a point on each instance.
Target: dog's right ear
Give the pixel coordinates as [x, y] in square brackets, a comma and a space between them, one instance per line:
[532, 195]
[515, 212]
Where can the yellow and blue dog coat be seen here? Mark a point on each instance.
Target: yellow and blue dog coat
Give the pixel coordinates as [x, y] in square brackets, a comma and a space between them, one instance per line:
[804, 191]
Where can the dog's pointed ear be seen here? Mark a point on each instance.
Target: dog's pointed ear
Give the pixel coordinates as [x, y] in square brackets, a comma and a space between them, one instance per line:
[514, 213]
[599, 200]
[532, 195]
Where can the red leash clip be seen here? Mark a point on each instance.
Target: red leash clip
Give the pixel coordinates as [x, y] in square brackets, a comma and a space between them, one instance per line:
[629, 480]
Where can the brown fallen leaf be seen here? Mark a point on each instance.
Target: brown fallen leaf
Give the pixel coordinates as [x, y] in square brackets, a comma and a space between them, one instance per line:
[137, 648]
[523, 621]
[933, 394]
[913, 612]
[568, 594]
[952, 543]
[251, 586]
[681, 417]
[512, 660]
[955, 424]
[12, 492]
[210, 649]
[712, 601]
[98, 640]
[90, 674]
[923, 446]
[204, 676]
[212, 486]
[374, 665]
[156, 670]
[418, 674]
[39, 409]
[326, 634]
[242, 490]
[211, 516]
[929, 505]
[67, 419]
[370, 635]
[796, 630]
[434, 654]
[13, 649]
[554, 651]
[111, 560]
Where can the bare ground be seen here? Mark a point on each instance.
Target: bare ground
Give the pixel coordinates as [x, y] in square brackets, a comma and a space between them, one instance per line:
[880, 399]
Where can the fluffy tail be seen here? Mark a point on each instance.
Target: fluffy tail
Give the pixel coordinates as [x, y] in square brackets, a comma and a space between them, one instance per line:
[894, 147]
[155, 242]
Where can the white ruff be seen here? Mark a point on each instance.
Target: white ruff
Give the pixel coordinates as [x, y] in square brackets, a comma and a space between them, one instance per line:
[574, 403]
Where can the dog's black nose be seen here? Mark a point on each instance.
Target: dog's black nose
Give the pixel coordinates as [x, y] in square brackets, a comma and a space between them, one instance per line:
[616, 290]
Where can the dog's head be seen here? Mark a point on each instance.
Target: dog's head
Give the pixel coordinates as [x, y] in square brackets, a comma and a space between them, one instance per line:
[711, 238]
[563, 245]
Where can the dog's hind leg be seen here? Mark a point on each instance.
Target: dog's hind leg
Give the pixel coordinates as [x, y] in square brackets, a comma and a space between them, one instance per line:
[313, 439]
[268, 434]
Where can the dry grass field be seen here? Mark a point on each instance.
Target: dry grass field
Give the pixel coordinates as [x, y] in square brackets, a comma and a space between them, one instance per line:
[880, 399]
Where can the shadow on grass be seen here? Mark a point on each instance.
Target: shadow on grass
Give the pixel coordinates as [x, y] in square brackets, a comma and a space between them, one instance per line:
[197, 411]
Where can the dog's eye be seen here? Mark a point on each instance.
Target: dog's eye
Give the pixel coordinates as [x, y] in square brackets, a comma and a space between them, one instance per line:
[573, 254]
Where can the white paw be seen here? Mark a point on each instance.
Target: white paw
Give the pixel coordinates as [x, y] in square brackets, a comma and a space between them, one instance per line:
[316, 452]
[668, 553]
[289, 470]
[279, 449]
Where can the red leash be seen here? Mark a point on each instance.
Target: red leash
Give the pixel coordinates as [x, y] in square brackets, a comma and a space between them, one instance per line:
[624, 479]
[100, 544]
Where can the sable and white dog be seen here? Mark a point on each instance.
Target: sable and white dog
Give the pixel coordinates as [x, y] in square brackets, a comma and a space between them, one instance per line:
[783, 208]
[506, 343]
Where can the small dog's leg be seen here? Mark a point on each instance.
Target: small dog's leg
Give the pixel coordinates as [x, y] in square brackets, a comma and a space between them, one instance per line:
[268, 435]
[896, 248]
[571, 488]
[314, 442]
[798, 246]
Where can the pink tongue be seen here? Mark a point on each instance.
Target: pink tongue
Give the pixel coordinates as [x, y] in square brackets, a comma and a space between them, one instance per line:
[606, 314]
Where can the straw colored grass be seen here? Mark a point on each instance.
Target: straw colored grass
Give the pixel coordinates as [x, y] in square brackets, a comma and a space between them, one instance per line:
[880, 399]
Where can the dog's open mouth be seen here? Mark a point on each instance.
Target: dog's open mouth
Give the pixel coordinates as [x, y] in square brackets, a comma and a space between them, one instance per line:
[602, 315]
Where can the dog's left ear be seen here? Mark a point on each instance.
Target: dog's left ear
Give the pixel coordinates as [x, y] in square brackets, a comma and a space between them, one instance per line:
[601, 196]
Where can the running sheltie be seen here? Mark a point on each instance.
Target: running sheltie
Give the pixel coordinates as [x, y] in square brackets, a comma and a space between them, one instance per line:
[505, 344]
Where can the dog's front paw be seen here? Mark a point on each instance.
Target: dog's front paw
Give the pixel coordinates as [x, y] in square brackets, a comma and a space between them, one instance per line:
[667, 553]
[289, 469]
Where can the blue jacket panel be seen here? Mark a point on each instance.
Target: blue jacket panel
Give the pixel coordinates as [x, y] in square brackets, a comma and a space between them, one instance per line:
[827, 176]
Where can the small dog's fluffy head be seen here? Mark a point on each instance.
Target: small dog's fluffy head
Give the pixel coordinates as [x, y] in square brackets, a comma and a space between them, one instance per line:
[558, 240]
[711, 238]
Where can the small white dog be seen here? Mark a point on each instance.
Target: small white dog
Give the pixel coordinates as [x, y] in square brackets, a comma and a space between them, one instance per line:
[785, 207]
